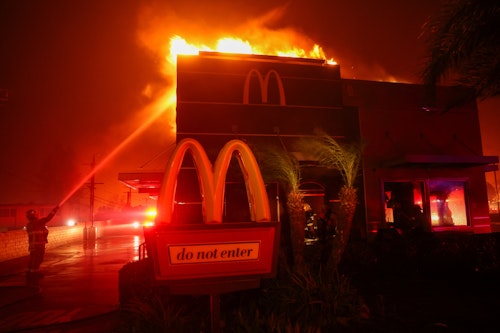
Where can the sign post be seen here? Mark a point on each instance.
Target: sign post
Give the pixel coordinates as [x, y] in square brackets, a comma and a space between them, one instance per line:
[213, 257]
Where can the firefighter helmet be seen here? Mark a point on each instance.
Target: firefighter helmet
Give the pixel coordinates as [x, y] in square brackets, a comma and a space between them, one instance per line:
[31, 213]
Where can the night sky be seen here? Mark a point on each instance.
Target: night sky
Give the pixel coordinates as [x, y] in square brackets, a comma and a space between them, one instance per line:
[77, 73]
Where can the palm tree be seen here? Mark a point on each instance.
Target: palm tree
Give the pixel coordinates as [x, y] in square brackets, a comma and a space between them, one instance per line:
[345, 158]
[278, 165]
[464, 45]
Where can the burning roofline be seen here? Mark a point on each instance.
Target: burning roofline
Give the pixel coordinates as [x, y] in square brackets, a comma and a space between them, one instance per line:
[263, 58]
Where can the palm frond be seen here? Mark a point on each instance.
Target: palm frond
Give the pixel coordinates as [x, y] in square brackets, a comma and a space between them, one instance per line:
[277, 165]
[463, 41]
[345, 157]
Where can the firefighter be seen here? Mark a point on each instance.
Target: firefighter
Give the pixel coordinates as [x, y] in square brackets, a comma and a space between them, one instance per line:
[37, 238]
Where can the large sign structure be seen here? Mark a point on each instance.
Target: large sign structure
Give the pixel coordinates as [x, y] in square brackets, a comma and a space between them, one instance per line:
[214, 256]
[212, 182]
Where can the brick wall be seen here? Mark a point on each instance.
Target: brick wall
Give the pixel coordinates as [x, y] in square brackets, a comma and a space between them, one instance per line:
[14, 244]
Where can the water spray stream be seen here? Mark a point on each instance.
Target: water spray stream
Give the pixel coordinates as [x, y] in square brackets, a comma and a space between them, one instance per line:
[169, 102]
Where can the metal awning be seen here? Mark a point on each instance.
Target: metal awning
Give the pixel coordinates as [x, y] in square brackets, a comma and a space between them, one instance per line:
[143, 182]
[456, 161]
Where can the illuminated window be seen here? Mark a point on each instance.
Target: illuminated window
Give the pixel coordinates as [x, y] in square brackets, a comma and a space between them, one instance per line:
[404, 207]
[447, 203]
[407, 206]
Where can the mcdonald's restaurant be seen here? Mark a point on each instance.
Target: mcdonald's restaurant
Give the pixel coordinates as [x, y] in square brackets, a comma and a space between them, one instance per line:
[422, 163]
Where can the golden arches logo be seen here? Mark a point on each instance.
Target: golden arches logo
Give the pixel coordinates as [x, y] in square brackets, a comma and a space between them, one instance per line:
[212, 181]
[264, 86]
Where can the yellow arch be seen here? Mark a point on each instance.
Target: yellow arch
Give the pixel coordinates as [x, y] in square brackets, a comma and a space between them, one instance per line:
[166, 198]
[212, 183]
[264, 86]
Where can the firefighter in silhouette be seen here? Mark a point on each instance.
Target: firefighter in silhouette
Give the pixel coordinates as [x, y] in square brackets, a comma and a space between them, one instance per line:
[37, 239]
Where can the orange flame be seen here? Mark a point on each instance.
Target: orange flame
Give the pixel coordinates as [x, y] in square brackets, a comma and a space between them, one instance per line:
[253, 36]
[277, 46]
[179, 45]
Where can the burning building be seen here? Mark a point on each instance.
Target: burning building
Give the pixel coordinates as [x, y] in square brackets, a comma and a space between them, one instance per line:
[421, 166]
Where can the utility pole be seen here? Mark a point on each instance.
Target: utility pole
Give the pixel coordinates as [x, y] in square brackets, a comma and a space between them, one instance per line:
[89, 234]
[496, 190]
[92, 193]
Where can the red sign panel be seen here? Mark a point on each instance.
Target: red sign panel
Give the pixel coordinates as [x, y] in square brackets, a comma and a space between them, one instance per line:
[236, 249]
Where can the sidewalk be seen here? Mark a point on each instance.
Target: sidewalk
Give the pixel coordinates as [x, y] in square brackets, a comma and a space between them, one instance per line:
[78, 284]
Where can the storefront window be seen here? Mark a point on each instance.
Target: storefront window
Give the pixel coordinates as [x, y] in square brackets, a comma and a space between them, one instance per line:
[447, 203]
[407, 206]
[404, 204]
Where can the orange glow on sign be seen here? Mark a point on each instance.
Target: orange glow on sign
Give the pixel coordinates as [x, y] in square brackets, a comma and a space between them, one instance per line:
[212, 181]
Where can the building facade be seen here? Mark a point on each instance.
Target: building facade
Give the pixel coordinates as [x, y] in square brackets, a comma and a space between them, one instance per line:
[422, 167]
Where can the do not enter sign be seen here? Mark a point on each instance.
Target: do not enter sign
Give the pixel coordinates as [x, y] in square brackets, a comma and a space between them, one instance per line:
[207, 253]
[236, 249]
